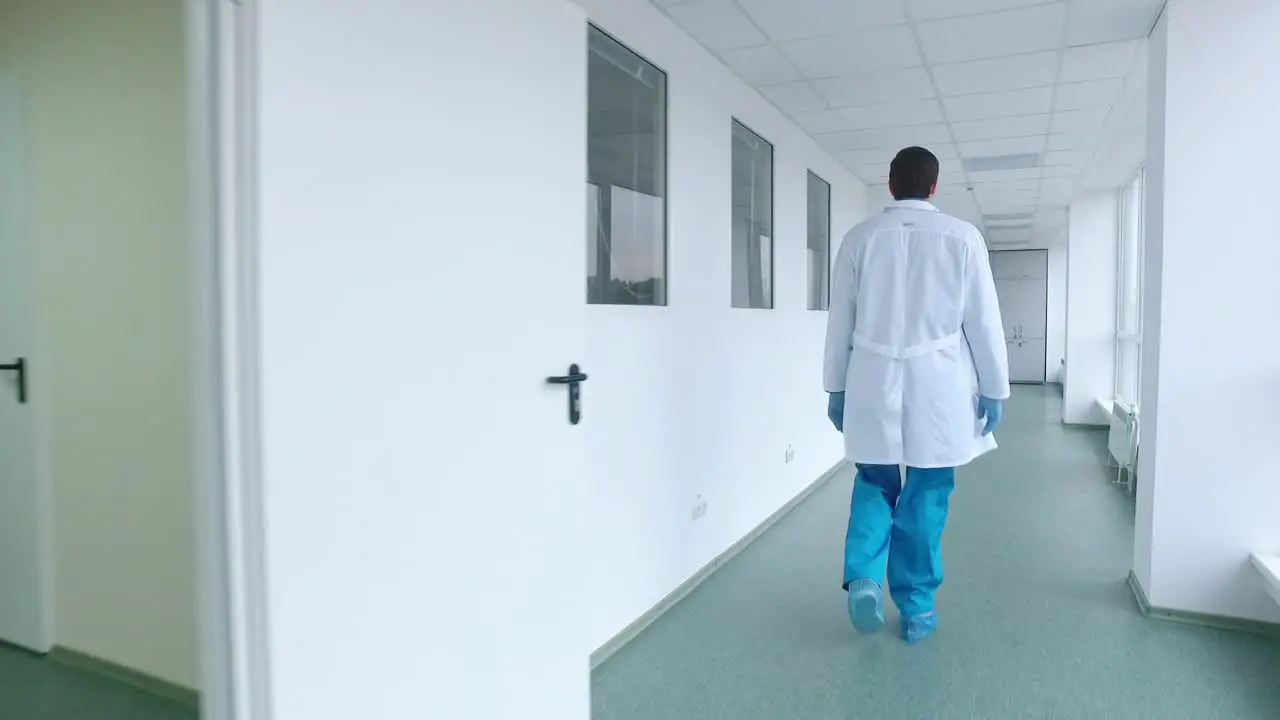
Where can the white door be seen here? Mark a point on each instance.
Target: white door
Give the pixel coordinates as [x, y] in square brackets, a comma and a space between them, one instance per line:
[423, 275]
[21, 506]
[1022, 307]
[1023, 288]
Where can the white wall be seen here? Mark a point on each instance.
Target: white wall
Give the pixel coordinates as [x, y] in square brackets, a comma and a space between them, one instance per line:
[106, 121]
[1208, 490]
[1092, 237]
[698, 398]
[1056, 345]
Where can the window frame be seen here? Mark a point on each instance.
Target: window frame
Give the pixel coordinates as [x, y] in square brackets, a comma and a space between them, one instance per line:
[665, 175]
[824, 303]
[771, 299]
[1132, 198]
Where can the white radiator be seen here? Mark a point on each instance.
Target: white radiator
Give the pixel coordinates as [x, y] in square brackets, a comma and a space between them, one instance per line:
[1122, 442]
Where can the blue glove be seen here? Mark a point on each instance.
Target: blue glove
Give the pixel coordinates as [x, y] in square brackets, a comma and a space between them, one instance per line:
[992, 410]
[835, 409]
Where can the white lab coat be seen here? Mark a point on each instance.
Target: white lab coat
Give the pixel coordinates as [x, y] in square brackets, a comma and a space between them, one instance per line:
[913, 337]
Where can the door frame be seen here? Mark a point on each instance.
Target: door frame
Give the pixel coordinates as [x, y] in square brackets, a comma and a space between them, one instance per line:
[221, 75]
[226, 472]
[1044, 371]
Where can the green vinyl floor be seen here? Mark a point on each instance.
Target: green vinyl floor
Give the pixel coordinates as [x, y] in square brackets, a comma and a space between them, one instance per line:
[34, 688]
[1037, 620]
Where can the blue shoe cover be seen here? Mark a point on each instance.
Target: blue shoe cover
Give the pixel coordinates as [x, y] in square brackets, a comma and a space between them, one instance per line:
[866, 606]
[919, 627]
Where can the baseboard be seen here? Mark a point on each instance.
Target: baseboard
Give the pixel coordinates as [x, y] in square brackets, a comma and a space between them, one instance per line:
[619, 641]
[127, 676]
[1218, 622]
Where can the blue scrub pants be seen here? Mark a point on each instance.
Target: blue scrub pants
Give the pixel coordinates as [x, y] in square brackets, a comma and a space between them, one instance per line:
[897, 531]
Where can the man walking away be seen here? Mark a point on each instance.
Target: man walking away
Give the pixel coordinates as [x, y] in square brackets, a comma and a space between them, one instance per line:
[916, 370]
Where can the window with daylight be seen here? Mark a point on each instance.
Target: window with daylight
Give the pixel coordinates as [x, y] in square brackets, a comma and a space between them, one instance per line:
[1129, 291]
[819, 244]
[752, 217]
[626, 176]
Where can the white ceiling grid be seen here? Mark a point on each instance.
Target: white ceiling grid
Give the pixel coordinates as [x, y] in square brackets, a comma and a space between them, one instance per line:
[968, 79]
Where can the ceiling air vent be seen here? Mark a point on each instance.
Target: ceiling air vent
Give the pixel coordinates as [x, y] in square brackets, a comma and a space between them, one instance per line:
[1016, 221]
[1022, 161]
[1008, 235]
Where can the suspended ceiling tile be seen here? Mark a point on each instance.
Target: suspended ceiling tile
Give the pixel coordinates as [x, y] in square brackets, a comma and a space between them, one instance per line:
[717, 24]
[961, 204]
[1080, 122]
[876, 88]
[1097, 21]
[953, 197]
[871, 157]
[794, 97]
[988, 194]
[1087, 95]
[1011, 185]
[937, 9]
[761, 65]
[1002, 190]
[1029, 101]
[1009, 127]
[818, 122]
[950, 166]
[877, 173]
[1006, 208]
[1007, 146]
[1061, 141]
[995, 75]
[909, 113]
[1012, 32]
[1058, 186]
[1072, 158]
[1003, 208]
[895, 138]
[797, 19]
[1007, 205]
[1057, 198]
[1059, 171]
[944, 151]
[857, 52]
[1004, 175]
[1098, 62]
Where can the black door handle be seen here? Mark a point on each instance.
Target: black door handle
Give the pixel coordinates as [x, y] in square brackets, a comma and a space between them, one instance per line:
[574, 380]
[19, 366]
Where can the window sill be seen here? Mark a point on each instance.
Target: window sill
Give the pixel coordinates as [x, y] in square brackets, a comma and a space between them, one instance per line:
[1269, 567]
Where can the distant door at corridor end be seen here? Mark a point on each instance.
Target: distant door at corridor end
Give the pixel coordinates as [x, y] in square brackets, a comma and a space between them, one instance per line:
[1022, 284]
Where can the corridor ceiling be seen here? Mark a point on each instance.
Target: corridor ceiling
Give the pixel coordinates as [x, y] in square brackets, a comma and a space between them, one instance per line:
[1026, 102]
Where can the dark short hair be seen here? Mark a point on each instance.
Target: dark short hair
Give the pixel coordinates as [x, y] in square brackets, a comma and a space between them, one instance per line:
[913, 174]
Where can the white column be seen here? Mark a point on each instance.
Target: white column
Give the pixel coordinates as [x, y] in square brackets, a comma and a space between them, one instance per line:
[1092, 235]
[1056, 345]
[1209, 463]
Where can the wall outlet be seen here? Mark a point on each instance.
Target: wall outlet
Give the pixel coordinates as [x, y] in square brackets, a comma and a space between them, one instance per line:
[791, 454]
[699, 507]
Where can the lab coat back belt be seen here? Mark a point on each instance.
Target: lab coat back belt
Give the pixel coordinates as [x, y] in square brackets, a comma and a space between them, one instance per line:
[899, 352]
